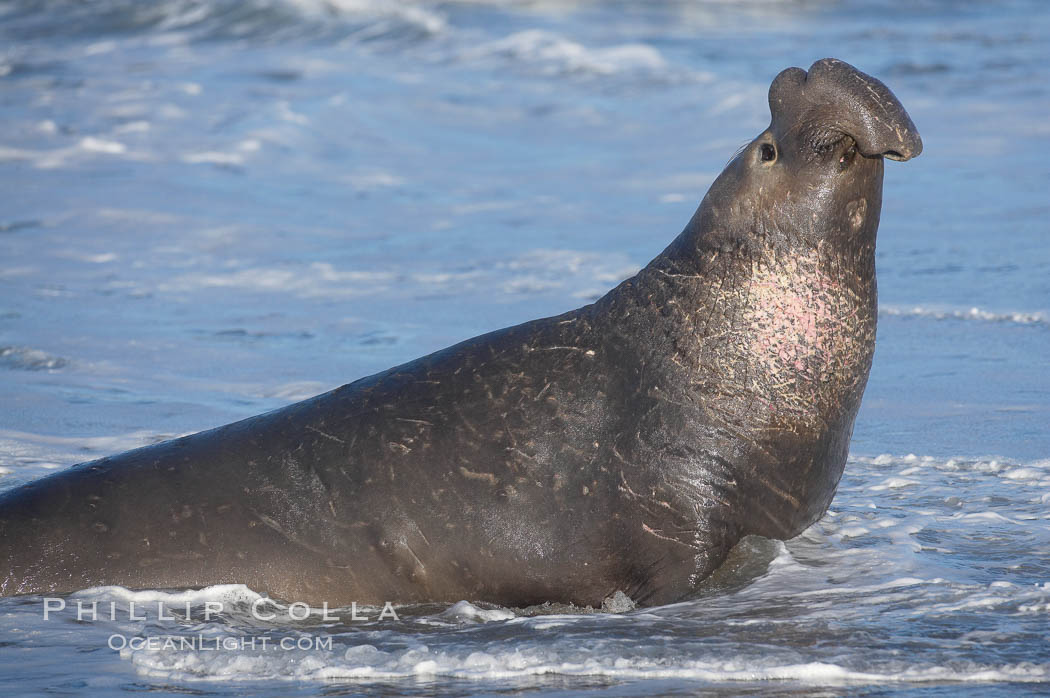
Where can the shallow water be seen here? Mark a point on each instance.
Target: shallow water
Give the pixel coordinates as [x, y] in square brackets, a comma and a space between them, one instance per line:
[211, 209]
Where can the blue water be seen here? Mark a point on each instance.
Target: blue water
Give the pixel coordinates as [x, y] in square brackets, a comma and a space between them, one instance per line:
[211, 209]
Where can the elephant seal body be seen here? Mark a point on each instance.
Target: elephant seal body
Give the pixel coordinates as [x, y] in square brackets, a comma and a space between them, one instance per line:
[627, 445]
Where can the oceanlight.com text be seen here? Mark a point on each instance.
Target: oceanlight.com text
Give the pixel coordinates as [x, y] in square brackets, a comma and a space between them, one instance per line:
[262, 609]
[200, 643]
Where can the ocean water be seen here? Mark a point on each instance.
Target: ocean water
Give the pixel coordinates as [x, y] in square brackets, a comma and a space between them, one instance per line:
[209, 209]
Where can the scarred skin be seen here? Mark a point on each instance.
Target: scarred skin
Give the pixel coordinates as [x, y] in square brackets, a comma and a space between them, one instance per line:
[626, 445]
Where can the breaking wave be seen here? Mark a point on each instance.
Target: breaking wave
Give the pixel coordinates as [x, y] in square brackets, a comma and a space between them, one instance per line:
[978, 314]
[227, 19]
[550, 54]
[29, 359]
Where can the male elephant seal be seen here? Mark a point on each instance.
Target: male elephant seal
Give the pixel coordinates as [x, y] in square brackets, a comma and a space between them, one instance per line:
[626, 445]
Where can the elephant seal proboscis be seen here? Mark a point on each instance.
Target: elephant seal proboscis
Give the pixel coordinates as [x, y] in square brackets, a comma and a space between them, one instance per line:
[626, 445]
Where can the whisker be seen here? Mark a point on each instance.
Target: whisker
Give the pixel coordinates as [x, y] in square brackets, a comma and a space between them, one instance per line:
[736, 154]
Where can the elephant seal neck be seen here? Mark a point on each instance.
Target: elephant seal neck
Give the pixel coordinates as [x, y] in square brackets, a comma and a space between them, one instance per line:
[765, 337]
[766, 347]
[786, 334]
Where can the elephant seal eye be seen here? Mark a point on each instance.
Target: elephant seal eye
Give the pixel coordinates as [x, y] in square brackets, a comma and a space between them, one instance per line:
[767, 153]
[847, 157]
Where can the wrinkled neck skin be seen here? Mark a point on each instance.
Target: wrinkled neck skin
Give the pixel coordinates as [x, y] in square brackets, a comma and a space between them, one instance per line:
[763, 339]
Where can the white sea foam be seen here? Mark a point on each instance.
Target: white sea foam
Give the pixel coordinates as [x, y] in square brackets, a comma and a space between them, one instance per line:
[175, 19]
[466, 611]
[373, 180]
[983, 517]
[368, 663]
[138, 216]
[95, 443]
[1027, 473]
[100, 145]
[46, 452]
[139, 126]
[86, 148]
[997, 595]
[911, 464]
[286, 113]
[552, 54]
[532, 272]
[894, 483]
[90, 257]
[236, 157]
[978, 314]
[222, 593]
[299, 390]
[287, 392]
[414, 14]
[30, 359]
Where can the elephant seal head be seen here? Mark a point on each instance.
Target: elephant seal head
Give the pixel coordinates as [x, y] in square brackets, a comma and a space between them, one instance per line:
[816, 172]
